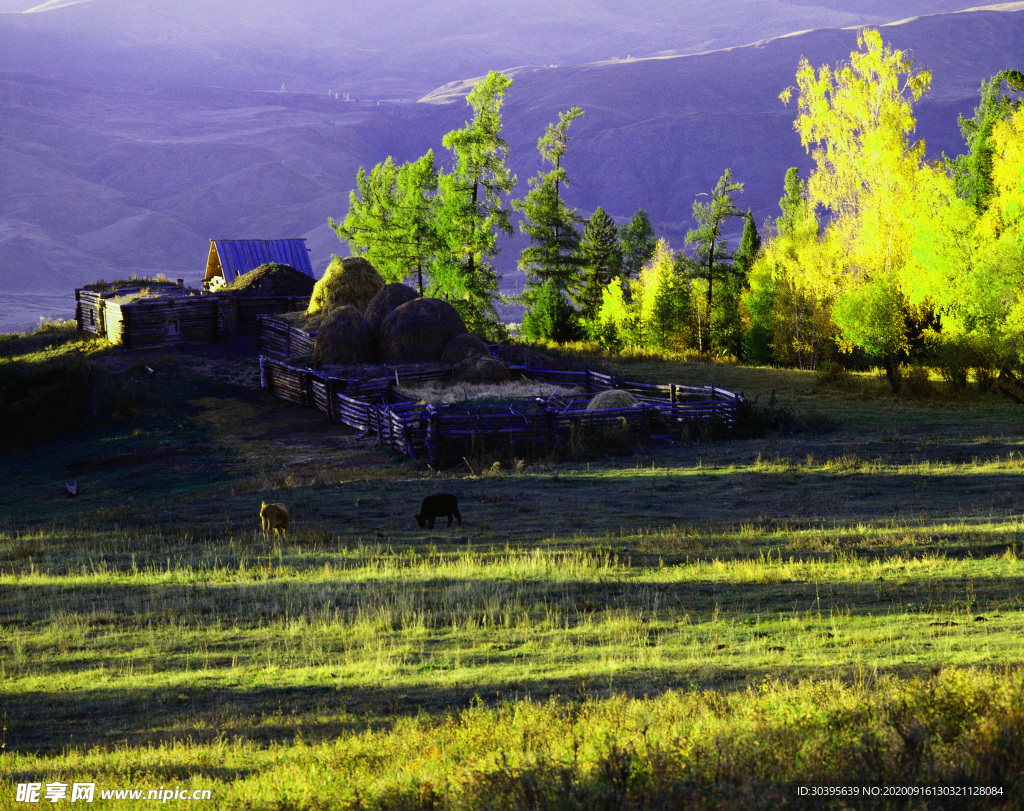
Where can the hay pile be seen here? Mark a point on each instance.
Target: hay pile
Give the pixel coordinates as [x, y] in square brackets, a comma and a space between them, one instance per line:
[346, 282]
[482, 370]
[271, 279]
[613, 398]
[419, 330]
[344, 337]
[462, 347]
[389, 298]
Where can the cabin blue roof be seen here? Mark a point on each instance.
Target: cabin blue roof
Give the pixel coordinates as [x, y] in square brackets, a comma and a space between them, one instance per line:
[239, 256]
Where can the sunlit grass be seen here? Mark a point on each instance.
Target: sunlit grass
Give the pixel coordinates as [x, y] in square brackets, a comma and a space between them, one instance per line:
[710, 624]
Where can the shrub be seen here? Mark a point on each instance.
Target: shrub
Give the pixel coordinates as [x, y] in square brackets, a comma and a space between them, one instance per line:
[917, 382]
[833, 375]
[760, 419]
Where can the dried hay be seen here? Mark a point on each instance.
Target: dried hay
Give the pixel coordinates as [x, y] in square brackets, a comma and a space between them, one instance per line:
[482, 369]
[389, 298]
[347, 282]
[344, 337]
[300, 319]
[464, 346]
[520, 389]
[613, 398]
[271, 279]
[419, 330]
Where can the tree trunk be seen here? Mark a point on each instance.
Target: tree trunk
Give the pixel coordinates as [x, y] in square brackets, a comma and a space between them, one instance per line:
[892, 374]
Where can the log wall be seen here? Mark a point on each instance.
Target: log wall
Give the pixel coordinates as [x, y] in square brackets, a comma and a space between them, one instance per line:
[174, 320]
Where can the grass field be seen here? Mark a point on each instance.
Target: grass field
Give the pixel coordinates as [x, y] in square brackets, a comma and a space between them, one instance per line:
[703, 625]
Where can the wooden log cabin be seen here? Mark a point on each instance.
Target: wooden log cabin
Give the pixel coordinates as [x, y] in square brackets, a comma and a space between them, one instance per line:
[142, 314]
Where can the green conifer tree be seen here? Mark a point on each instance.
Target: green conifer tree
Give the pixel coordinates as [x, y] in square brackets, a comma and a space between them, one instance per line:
[711, 259]
[373, 227]
[972, 172]
[417, 186]
[750, 246]
[472, 209]
[600, 260]
[391, 220]
[553, 252]
[637, 242]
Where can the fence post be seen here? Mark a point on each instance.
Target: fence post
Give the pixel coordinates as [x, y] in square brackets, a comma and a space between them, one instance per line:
[672, 390]
[433, 440]
[586, 382]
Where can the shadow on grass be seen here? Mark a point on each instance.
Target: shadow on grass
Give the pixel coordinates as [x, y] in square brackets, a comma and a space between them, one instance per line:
[49, 722]
[437, 603]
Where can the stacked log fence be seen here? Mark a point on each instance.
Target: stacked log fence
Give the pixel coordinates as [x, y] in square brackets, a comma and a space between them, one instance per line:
[438, 435]
[277, 338]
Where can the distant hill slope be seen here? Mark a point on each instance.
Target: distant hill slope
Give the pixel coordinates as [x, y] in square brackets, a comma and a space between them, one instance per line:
[100, 182]
[400, 49]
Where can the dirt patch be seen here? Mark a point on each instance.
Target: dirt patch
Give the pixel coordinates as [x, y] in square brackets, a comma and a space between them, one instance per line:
[229, 361]
[136, 457]
[299, 428]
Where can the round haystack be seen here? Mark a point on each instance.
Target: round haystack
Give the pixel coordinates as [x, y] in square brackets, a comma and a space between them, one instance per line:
[464, 346]
[271, 279]
[347, 282]
[613, 398]
[344, 337]
[389, 298]
[482, 369]
[419, 330]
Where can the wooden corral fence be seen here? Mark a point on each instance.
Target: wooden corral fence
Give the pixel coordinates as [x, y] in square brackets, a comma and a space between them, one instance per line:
[171, 320]
[439, 434]
[279, 339]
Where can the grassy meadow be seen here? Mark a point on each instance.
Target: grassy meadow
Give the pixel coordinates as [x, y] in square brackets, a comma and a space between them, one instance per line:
[834, 600]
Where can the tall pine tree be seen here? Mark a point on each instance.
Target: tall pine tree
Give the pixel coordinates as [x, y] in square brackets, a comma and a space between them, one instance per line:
[552, 255]
[750, 245]
[711, 259]
[472, 207]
